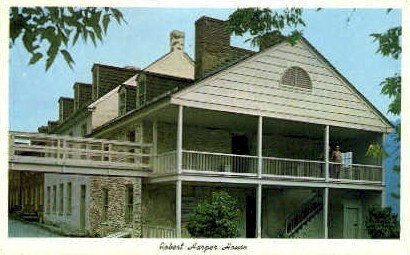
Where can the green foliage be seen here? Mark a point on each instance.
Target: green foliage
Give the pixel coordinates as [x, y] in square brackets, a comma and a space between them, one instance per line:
[50, 30]
[381, 223]
[389, 42]
[216, 217]
[391, 87]
[376, 151]
[265, 26]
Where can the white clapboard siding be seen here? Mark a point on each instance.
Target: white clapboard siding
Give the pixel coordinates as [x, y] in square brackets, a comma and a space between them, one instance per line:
[253, 87]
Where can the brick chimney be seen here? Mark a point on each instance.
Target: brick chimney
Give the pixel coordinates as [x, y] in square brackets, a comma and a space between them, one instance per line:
[212, 44]
[65, 109]
[177, 40]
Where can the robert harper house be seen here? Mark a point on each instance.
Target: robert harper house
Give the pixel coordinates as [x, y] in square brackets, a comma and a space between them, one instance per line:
[134, 151]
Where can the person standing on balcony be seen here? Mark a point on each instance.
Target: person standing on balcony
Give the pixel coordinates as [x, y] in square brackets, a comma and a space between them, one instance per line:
[337, 158]
[336, 155]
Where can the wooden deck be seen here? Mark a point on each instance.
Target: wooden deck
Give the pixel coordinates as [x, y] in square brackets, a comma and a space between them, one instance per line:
[65, 154]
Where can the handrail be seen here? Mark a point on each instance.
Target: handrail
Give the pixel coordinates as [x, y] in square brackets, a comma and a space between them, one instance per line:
[219, 154]
[354, 164]
[76, 139]
[308, 209]
[295, 160]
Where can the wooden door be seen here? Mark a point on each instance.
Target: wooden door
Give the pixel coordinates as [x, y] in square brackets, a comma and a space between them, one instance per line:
[352, 223]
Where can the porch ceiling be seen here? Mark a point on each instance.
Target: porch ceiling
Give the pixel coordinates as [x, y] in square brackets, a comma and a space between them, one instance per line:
[241, 122]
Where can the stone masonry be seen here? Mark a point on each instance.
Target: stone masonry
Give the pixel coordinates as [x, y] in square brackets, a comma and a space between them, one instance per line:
[115, 222]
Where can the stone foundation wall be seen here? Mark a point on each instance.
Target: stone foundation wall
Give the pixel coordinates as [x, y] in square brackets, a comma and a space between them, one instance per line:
[115, 222]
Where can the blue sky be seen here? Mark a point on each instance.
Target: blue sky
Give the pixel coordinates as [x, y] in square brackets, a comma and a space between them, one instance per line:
[145, 38]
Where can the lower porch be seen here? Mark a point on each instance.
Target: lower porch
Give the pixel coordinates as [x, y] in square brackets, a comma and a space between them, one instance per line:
[285, 212]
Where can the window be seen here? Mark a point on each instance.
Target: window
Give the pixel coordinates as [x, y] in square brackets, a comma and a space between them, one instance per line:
[69, 199]
[296, 77]
[54, 199]
[61, 199]
[129, 202]
[48, 199]
[105, 204]
[141, 90]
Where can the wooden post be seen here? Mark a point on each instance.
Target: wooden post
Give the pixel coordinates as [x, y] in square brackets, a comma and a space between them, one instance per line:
[58, 149]
[179, 139]
[326, 153]
[155, 137]
[109, 152]
[11, 145]
[64, 149]
[178, 200]
[154, 144]
[260, 135]
[259, 211]
[383, 198]
[325, 212]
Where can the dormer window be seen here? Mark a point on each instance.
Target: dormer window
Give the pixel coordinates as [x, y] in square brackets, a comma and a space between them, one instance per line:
[296, 77]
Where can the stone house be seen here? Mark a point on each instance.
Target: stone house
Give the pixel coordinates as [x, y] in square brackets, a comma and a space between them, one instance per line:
[258, 124]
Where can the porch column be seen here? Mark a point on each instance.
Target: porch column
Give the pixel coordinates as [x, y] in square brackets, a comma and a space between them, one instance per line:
[260, 134]
[326, 152]
[179, 139]
[259, 211]
[155, 137]
[178, 207]
[325, 212]
[154, 151]
[383, 198]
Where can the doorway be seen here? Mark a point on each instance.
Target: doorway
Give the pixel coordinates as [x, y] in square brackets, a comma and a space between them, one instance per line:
[240, 147]
[82, 207]
[250, 217]
[351, 223]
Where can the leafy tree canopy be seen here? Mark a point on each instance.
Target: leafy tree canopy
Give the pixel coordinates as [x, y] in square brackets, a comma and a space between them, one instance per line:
[49, 31]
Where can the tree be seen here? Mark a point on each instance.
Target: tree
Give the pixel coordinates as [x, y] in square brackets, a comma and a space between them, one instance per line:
[381, 223]
[266, 26]
[216, 217]
[51, 30]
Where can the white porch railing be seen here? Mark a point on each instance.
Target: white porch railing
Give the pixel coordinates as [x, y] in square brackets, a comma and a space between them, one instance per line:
[355, 172]
[150, 231]
[57, 149]
[165, 163]
[219, 162]
[272, 167]
[283, 167]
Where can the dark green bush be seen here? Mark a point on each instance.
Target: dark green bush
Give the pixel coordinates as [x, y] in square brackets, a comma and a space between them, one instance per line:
[381, 223]
[216, 217]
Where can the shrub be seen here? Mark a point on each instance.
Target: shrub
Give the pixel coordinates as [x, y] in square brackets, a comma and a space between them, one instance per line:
[216, 217]
[382, 223]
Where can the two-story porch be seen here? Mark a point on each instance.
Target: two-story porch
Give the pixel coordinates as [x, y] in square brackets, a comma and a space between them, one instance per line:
[277, 169]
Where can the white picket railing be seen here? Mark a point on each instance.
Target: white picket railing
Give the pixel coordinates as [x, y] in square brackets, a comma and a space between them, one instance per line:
[150, 231]
[355, 172]
[58, 149]
[299, 168]
[219, 162]
[165, 163]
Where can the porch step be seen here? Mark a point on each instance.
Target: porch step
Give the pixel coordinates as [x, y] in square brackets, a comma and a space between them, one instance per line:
[30, 216]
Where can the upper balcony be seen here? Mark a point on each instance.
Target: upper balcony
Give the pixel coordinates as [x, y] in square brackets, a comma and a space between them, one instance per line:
[220, 144]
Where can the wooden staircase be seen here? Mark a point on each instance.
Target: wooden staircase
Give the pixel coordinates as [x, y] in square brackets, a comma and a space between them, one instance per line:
[296, 221]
